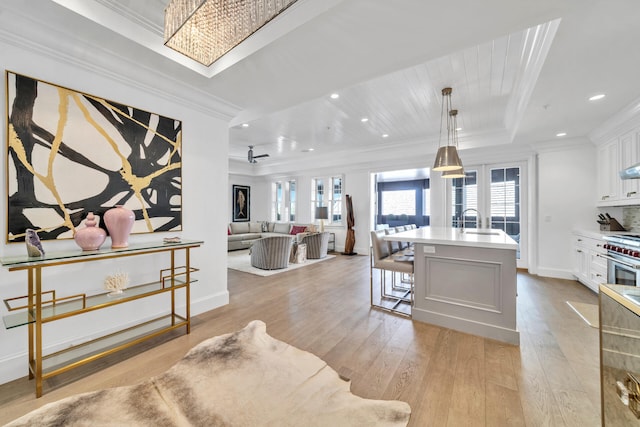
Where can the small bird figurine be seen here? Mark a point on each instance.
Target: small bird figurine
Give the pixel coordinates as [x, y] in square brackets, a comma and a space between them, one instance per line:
[34, 247]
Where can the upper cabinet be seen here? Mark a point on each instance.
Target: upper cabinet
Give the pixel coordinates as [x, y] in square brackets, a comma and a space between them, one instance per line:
[613, 156]
[608, 166]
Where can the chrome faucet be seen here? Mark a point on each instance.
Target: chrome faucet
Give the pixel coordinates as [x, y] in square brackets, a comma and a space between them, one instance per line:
[461, 218]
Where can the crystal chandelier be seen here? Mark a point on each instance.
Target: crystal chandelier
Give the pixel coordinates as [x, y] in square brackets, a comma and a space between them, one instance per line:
[204, 30]
[447, 158]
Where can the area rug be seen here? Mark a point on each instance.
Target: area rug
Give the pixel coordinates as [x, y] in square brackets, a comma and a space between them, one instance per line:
[246, 378]
[241, 261]
[588, 312]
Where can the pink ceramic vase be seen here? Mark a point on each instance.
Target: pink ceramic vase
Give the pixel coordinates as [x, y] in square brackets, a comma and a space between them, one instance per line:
[119, 222]
[91, 237]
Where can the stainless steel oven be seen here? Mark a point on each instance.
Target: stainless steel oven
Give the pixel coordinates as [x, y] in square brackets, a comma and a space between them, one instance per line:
[622, 270]
[623, 259]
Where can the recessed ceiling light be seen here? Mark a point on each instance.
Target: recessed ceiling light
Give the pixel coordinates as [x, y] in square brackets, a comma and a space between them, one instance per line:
[458, 129]
[385, 135]
[597, 97]
[561, 134]
[307, 150]
[364, 120]
[245, 125]
[335, 96]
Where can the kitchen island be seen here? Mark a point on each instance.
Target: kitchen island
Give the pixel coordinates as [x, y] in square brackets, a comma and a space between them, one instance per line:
[465, 280]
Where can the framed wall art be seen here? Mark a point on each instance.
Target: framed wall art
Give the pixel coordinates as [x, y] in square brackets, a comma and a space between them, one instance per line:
[70, 153]
[241, 203]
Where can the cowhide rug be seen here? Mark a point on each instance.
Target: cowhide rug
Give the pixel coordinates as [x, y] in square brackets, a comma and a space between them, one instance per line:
[246, 378]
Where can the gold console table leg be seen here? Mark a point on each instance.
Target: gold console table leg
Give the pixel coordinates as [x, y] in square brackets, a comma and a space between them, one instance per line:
[31, 312]
[38, 331]
[188, 288]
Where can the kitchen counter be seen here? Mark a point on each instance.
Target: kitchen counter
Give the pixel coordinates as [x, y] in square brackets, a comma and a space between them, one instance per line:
[465, 280]
[619, 353]
[627, 296]
[473, 237]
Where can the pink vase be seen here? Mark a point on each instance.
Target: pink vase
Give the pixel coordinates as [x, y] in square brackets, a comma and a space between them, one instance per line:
[91, 237]
[119, 222]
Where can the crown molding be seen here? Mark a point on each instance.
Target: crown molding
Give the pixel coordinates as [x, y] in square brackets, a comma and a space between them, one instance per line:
[621, 122]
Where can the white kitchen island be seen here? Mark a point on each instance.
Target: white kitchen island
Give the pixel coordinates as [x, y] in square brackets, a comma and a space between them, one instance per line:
[465, 280]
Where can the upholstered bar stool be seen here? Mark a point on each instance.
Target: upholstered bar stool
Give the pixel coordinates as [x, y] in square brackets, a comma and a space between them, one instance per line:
[383, 260]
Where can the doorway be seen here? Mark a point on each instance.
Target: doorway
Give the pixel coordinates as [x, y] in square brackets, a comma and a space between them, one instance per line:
[493, 196]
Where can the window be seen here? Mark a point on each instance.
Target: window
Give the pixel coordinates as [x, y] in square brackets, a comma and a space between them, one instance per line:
[292, 200]
[464, 197]
[403, 202]
[399, 202]
[505, 200]
[327, 191]
[278, 207]
[284, 200]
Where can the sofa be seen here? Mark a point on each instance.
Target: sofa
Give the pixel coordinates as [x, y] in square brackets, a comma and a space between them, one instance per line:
[240, 235]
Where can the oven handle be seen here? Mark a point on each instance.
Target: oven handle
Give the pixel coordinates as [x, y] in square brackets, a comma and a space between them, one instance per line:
[626, 264]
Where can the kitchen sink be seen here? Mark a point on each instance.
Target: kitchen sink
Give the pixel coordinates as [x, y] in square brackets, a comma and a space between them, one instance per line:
[483, 233]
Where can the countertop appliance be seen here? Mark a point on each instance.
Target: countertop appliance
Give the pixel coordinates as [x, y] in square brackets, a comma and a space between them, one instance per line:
[623, 259]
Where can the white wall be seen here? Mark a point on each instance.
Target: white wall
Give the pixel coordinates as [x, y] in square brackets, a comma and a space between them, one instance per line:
[205, 182]
[566, 200]
[259, 196]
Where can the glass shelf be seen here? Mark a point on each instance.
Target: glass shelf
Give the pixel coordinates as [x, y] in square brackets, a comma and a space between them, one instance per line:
[78, 255]
[56, 363]
[83, 304]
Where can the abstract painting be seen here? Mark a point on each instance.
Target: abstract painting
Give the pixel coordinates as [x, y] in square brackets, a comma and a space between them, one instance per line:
[241, 206]
[71, 153]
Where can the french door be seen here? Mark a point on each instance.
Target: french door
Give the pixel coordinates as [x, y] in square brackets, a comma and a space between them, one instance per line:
[492, 196]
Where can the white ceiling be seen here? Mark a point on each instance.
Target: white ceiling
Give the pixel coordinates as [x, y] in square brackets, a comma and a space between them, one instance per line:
[521, 71]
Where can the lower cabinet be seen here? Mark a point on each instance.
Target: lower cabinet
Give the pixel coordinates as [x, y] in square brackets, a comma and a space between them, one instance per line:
[588, 266]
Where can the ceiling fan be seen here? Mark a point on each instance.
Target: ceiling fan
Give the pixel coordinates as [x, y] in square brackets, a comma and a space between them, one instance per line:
[252, 158]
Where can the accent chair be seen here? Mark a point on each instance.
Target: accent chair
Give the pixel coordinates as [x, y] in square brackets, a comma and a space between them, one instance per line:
[271, 253]
[317, 245]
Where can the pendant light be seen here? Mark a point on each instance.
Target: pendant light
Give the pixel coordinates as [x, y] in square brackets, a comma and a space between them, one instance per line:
[447, 158]
[454, 173]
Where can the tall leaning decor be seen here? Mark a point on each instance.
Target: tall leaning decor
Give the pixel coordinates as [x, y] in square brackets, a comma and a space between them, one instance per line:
[70, 153]
[350, 242]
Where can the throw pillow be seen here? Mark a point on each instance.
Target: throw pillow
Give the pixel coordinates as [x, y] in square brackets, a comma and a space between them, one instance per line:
[228, 231]
[295, 229]
[265, 226]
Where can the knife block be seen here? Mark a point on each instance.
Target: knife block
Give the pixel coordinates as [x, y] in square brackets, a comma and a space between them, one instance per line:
[612, 225]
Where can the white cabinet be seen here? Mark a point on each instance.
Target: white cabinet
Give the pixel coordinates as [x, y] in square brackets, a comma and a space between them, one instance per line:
[629, 144]
[613, 156]
[588, 266]
[608, 167]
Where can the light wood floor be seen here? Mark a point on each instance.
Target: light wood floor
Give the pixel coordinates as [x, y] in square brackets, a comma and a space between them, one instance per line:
[448, 378]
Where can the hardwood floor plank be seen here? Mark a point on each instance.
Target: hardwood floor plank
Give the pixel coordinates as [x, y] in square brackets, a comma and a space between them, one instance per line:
[447, 377]
[468, 406]
[503, 406]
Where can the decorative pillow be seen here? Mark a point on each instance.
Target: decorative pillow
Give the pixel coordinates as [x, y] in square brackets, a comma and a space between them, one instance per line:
[282, 228]
[255, 227]
[239, 227]
[295, 229]
[312, 228]
[228, 231]
[265, 226]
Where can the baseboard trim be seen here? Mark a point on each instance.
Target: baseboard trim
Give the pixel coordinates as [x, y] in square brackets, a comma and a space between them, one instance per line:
[555, 273]
[510, 336]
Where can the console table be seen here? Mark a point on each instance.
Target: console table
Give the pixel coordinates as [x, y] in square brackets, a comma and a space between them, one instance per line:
[39, 307]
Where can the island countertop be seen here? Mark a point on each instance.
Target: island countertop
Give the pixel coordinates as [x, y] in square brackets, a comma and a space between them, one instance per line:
[472, 237]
